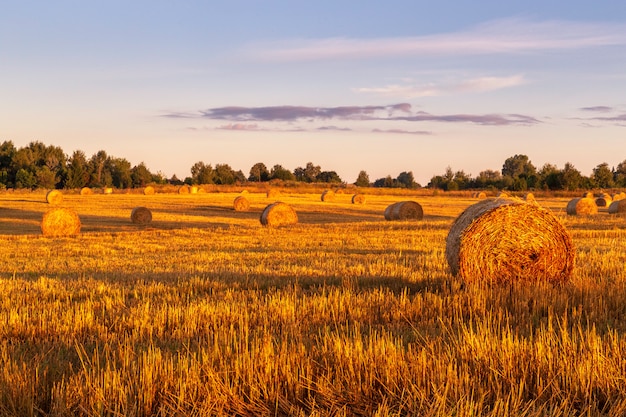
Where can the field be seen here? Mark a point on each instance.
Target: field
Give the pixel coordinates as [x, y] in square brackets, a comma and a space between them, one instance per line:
[204, 312]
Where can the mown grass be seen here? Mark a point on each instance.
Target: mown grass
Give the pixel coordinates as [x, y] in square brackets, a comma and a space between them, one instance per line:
[205, 312]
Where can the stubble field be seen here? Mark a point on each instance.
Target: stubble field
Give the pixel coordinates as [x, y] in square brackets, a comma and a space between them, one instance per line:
[204, 312]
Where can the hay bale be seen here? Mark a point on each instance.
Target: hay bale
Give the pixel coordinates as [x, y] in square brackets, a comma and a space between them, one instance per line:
[404, 210]
[529, 197]
[278, 214]
[193, 189]
[481, 195]
[183, 189]
[241, 203]
[149, 190]
[502, 194]
[244, 192]
[201, 190]
[588, 194]
[618, 207]
[54, 197]
[603, 201]
[582, 206]
[273, 193]
[59, 222]
[107, 190]
[86, 191]
[328, 195]
[358, 199]
[141, 216]
[501, 240]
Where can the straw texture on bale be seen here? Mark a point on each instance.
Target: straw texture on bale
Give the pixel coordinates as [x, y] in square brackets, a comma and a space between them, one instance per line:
[86, 191]
[141, 215]
[54, 197]
[273, 193]
[581, 206]
[358, 199]
[618, 207]
[502, 240]
[241, 203]
[404, 210]
[59, 222]
[328, 195]
[149, 190]
[278, 214]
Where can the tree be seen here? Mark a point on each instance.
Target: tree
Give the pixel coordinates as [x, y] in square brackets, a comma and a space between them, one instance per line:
[620, 174]
[202, 173]
[97, 165]
[311, 172]
[363, 180]
[279, 173]
[328, 176]
[7, 174]
[25, 179]
[602, 176]
[549, 177]
[571, 178]
[77, 172]
[120, 170]
[140, 175]
[521, 170]
[488, 178]
[259, 172]
[224, 174]
[406, 180]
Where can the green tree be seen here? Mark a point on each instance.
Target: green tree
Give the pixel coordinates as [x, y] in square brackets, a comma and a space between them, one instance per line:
[521, 171]
[363, 180]
[224, 174]
[98, 169]
[602, 176]
[77, 171]
[279, 173]
[259, 173]
[202, 173]
[25, 179]
[620, 174]
[571, 178]
[406, 180]
[311, 172]
[120, 170]
[328, 176]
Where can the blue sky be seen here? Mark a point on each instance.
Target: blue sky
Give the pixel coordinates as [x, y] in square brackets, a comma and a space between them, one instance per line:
[383, 87]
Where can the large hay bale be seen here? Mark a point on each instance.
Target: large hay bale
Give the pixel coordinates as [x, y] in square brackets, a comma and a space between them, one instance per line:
[618, 207]
[273, 193]
[59, 222]
[54, 197]
[603, 201]
[278, 214]
[358, 199]
[582, 206]
[86, 191]
[141, 216]
[149, 190]
[328, 195]
[500, 240]
[241, 203]
[404, 210]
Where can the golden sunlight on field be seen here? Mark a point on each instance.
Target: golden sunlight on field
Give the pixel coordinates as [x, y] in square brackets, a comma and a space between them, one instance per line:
[205, 311]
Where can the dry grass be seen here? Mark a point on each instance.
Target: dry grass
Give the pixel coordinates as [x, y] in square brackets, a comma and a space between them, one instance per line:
[500, 240]
[59, 222]
[141, 216]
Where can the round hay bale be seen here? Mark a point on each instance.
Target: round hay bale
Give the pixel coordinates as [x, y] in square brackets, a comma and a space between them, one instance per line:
[107, 190]
[149, 190]
[501, 240]
[86, 191]
[529, 197]
[58, 222]
[603, 201]
[244, 192]
[278, 214]
[582, 206]
[193, 189]
[618, 207]
[183, 189]
[358, 199]
[201, 190]
[273, 193]
[481, 195]
[502, 194]
[54, 197]
[588, 194]
[404, 210]
[141, 216]
[241, 203]
[328, 195]
[617, 197]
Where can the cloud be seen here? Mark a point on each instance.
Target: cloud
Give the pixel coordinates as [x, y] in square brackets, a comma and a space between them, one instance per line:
[474, 85]
[487, 119]
[599, 109]
[334, 128]
[239, 126]
[403, 132]
[619, 118]
[505, 36]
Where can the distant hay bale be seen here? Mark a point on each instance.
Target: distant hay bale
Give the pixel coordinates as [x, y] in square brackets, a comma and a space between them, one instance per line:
[149, 190]
[358, 199]
[107, 190]
[244, 192]
[241, 203]
[502, 194]
[183, 189]
[481, 195]
[502, 240]
[404, 210]
[529, 197]
[617, 197]
[581, 206]
[618, 207]
[193, 189]
[603, 201]
[328, 195]
[588, 194]
[141, 216]
[278, 214]
[273, 193]
[58, 222]
[201, 190]
[86, 191]
[54, 197]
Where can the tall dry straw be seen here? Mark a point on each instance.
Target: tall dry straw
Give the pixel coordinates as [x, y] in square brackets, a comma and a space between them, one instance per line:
[141, 216]
[618, 207]
[149, 190]
[54, 197]
[404, 210]
[501, 240]
[279, 214]
[582, 207]
[328, 195]
[241, 203]
[358, 199]
[59, 222]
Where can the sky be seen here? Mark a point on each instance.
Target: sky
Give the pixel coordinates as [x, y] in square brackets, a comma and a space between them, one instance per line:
[384, 87]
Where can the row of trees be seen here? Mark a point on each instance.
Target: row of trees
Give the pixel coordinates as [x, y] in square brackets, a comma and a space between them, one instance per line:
[39, 166]
[519, 174]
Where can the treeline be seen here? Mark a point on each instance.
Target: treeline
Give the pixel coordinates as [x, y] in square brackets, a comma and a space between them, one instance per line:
[519, 174]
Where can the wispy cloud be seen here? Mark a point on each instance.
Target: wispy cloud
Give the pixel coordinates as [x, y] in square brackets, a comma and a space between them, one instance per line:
[403, 132]
[239, 126]
[598, 109]
[473, 85]
[504, 36]
[486, 119]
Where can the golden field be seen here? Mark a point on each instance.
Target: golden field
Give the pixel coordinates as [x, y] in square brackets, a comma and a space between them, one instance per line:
[204, 312]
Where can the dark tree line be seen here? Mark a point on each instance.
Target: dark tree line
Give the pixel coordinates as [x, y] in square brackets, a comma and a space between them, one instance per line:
[519, 174]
